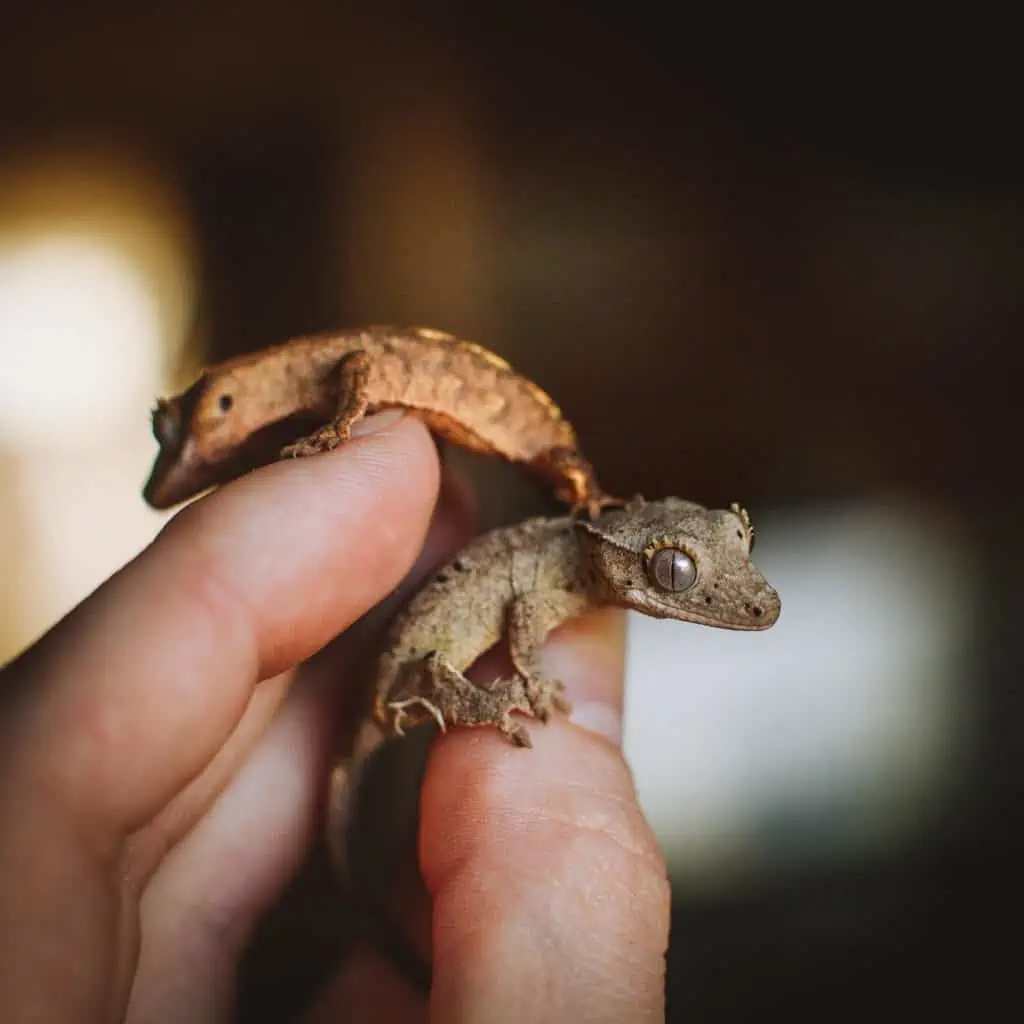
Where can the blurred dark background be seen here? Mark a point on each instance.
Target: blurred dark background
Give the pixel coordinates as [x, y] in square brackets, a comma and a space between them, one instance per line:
[776, 262]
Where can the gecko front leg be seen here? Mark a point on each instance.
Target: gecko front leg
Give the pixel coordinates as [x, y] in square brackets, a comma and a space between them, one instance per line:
[531, 617]
[452, 699]
[353, 375]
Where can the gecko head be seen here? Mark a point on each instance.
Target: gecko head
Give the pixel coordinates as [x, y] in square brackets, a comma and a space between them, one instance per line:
[199, 433]
[673, 559]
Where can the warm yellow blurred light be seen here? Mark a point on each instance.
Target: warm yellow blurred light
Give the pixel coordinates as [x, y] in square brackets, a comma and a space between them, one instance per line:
[95, 290]
[95, 301]
[80, 336]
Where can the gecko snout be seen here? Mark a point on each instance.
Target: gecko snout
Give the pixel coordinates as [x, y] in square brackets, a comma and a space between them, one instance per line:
[764, 608]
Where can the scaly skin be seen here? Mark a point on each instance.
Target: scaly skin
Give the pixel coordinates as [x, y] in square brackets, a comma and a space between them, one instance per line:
[303, 396]
[529, 578]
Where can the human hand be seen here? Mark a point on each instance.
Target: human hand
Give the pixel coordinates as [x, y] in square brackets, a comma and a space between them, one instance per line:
[161, 757]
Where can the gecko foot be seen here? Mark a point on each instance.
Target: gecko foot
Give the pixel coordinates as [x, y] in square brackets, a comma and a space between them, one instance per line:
[575, 481]
[545, 695]
[324, 439]
[400, 710]
[452, 699]
[593, 505]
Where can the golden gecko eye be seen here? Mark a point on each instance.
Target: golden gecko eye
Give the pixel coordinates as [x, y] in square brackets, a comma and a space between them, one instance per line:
[672, 570]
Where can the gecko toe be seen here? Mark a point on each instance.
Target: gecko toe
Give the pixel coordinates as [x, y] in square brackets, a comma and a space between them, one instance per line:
[517, 734]
[298, 450]
[400, 710]
[322, 440]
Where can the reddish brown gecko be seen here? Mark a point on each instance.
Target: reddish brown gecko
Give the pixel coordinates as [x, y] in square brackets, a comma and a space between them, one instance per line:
[303, 396]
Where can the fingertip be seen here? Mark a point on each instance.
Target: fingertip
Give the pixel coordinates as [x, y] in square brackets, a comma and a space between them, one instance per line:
[550, 893]
[310, 544]
[587, 655]
[393, 469]
[483, 790]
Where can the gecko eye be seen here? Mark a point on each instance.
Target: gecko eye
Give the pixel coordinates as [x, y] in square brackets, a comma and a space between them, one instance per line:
[672, 569]
[225, 402]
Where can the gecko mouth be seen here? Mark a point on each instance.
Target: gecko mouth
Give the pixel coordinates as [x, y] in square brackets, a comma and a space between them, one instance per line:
[761, 613]
[176, 476]
[181, 472]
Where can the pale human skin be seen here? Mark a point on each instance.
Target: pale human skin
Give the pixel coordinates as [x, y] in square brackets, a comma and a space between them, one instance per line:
[161, 753]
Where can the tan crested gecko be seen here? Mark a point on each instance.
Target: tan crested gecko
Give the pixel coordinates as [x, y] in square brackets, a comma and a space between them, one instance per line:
[302, 397]
[669, 559]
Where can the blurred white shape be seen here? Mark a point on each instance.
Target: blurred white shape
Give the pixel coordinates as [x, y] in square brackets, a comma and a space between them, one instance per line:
[95, 296]
[80, 337]
[833, 734]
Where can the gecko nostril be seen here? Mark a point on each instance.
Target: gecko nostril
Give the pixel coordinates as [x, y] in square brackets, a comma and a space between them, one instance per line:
[755, 610]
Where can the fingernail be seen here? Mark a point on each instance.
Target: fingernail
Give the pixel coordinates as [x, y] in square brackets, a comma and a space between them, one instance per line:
[377, 422]
[598, 718]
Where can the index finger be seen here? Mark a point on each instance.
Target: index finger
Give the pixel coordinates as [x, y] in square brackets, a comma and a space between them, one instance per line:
[550, 898]
[131, 695]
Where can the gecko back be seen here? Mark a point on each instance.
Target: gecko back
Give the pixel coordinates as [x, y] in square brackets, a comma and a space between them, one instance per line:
[224, 424]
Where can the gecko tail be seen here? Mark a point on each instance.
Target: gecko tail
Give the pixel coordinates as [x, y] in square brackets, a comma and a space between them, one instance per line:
[371, 906]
